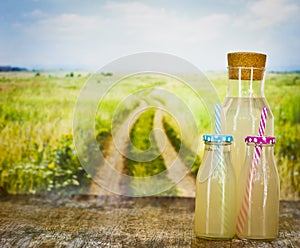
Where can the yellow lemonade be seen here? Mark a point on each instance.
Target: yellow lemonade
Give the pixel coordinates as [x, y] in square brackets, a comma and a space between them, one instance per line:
[215, 212]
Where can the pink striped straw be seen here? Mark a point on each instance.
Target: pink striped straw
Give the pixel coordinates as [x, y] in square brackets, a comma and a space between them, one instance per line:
[262, 124]
[255, 160]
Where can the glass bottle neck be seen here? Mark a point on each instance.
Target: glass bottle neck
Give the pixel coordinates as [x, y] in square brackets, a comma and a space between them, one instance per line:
[213, 146]
[267, 151]
[245, 82]
[245, 88]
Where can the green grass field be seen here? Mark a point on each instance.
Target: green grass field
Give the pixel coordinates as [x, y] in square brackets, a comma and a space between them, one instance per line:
[37, 153]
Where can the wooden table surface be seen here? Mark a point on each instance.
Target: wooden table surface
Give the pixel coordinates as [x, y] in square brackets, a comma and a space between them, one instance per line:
[115, 221]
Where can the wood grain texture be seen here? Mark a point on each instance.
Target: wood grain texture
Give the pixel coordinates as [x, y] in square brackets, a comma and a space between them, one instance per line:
[114, 221]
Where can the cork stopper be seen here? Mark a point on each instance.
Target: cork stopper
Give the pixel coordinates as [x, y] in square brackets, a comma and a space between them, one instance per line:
[246, 61]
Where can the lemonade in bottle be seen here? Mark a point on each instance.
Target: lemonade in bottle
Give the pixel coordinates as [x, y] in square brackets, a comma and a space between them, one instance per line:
[258, 191]
[244, 101]
[215, 213]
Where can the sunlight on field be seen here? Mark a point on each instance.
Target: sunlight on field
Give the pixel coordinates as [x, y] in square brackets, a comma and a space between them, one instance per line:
[37, 153]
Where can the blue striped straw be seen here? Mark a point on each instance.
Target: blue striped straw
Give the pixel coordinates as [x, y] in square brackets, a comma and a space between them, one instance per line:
[218, 119]
[222, 170]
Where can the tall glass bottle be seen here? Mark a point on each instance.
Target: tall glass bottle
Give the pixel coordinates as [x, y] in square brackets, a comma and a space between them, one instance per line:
[215, 190]
[244, 102]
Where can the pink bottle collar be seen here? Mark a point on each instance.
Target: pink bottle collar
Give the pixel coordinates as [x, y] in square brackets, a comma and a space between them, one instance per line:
[260, 139]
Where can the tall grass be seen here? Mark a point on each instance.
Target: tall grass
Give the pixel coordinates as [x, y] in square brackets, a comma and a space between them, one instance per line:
[283, 94]
[36, 148]
[188, 156]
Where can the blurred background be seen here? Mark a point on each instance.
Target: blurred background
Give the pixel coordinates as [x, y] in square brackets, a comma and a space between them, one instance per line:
[49, 49]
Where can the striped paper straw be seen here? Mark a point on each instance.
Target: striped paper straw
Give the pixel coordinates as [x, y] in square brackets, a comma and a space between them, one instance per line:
[218, 131]
[262, 124]
[218, 119]
[221, 171]
[243, 213]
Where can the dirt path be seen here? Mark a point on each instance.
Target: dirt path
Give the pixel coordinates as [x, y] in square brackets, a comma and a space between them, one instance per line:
[114, 157]
[186, 186]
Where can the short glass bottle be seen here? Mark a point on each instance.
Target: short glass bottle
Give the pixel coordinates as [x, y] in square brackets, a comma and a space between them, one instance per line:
[215, 190]
[258, 191]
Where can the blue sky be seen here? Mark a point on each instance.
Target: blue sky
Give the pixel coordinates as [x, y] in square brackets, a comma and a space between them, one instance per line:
[92, 33]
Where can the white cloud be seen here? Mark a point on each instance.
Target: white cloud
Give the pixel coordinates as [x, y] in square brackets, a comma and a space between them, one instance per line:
[122, 28]
[63, 25]
[126, 27]
[267, 13]
[36, 13]
[159, 25]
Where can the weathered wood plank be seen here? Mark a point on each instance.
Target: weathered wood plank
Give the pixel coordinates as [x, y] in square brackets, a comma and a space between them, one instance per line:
[112, 221]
